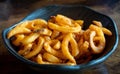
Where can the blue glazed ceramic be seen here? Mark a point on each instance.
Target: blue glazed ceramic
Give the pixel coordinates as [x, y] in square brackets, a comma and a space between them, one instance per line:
[75, 12]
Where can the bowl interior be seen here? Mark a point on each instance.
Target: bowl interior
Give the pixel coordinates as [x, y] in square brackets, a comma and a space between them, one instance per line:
[75, 12]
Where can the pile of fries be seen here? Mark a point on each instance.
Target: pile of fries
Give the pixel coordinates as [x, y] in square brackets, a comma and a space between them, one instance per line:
[60, 40]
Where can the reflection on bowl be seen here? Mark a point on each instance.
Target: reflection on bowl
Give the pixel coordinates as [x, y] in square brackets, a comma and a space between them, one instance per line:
[75, 12]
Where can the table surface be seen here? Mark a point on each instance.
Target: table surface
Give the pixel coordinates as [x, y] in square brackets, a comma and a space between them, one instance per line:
[12, 11]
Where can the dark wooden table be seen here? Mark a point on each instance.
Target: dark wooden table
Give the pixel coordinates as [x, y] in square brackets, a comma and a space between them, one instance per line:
[12, 11]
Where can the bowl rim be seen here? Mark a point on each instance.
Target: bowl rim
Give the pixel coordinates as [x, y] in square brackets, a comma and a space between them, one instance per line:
[63, 67]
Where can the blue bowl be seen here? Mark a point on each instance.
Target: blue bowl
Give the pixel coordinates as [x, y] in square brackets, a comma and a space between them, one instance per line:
[75, 12]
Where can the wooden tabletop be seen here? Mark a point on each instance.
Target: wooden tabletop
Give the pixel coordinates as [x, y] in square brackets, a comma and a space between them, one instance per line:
[12, 11]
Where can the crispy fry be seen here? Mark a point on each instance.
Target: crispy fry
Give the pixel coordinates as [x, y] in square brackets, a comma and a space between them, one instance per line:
[55, 34]
[99, 48]
[63, 20]
[105, 30]
[83, 49]
[48, 48]
[36, 24]
[36, 49]
[80, 22]
[47, 38]
[43, 31]
[96, 31]
[57, 45]
[39, 60]
[18, 39]
[25, 49]
[64, 29]
[99, 24]
[69, 38]
[30, 38]
[51, 58]
[20, 28]
[86, 35]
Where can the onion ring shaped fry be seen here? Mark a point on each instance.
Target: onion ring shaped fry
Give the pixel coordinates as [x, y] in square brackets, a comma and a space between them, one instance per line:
[96, 49]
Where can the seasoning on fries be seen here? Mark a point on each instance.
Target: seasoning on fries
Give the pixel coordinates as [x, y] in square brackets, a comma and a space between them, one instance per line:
[60, 40]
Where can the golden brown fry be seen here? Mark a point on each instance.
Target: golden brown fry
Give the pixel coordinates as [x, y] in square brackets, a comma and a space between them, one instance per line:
[81, 41]
[83, 49]
[106, 31]
[60, 37]
[36, 49]
[47, 38]
[39, 60]
[43, 31]
[30, 38]
[18, 39]
[74, 46]
[96, 38]
[65, 50]
[86, 35]
[40, 22]
[63, 20]
[25, 49]
[36, 24]
[98, 23]
[80, 22]
[48, 48]
[64, 29]
[51, 58]
[55, 34]
[19, 29]
[57, 45]
[97, 31]
[99, 48]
